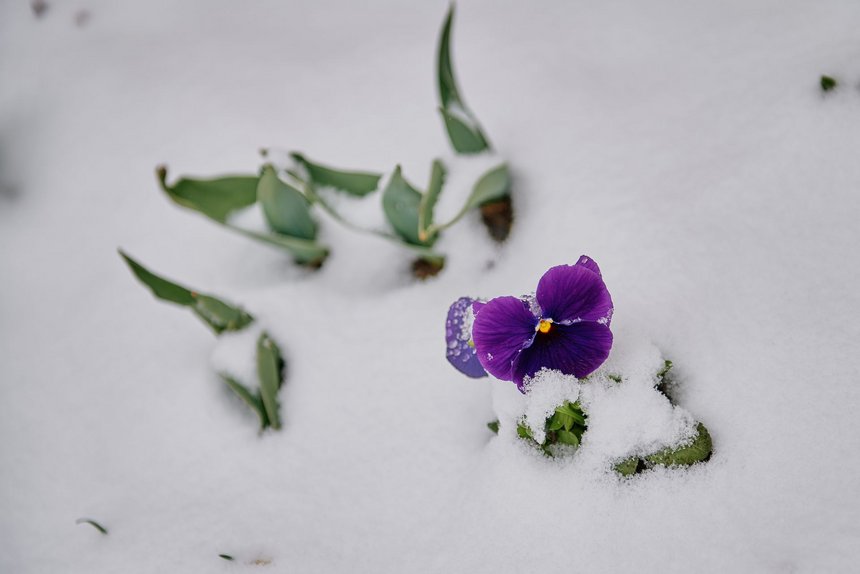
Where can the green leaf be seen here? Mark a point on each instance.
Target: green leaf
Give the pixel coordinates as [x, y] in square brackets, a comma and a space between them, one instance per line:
[226, 557]
[92, 523]
[429, 199]
[828, 83]
[400, 202]
[270, 372]
[698, 450]
[448, 92]
[667, 366]
[567, 437]
[215, 198]
[303, 251]
[250, 398]
[664, 381]
[493, 426]
[463, 129]
[571, 413]
[557, 421]
[220, 316]
[494, 184]
[352, 182]
[286, 209]
[465, 135]
[523, 431]
[160, 287]
[628, 466]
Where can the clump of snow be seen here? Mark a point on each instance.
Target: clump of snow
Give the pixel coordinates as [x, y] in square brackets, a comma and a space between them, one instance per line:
[625, 418]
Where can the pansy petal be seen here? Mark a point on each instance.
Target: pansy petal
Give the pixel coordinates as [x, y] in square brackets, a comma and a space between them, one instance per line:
[503, 328]
[477, 306]
[460, 350]
[576, 349]
[570, 293]
[588, 263]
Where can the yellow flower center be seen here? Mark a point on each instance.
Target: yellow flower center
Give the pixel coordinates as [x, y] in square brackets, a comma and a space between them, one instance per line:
[545, 325]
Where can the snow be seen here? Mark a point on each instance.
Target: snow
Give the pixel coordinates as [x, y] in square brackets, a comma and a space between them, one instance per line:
[685, 146]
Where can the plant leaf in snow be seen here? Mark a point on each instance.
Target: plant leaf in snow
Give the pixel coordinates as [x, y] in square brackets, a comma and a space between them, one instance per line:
[304, 251]
[250, 398]
[429, 199]
[352, 182]
[270, 367]
[215, 198]
[400, 202]
[92, 523]
[286, 208]
[463, 129]
[220, 316]
[464, 132]
[698, 450]
[493, 184]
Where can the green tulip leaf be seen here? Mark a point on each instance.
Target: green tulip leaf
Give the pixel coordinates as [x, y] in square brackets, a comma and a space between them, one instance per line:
[697, 450]
[215, 198]
[220, 315]
[352, 182]
[429, 199]
[493, 185]
[567, 437]
[287, 210]
[401, 202]
[250, 398]
[304, 251]
[628, 467]
[464, 133]
[270, 370]
[463, 129]
[217, 314]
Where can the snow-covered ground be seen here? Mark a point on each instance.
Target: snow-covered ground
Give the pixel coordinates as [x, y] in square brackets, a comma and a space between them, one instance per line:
[684, 145]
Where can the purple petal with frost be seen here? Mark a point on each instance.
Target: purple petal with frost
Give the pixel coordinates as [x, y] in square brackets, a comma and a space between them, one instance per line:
[460, 351]
[503, 327]
[576, 349]
[571, 293]
[588, 263]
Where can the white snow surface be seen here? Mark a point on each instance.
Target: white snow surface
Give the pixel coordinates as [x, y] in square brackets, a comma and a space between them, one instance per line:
[685, 146]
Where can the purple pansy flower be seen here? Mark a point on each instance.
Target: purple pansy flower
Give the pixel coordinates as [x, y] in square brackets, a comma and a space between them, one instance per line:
[458, 333]
[565, 327]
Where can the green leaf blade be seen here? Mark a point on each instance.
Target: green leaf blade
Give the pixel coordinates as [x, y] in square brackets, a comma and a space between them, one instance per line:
[699, 450]
[162, 288]
[217, 314]
[353, 182]
[270, 373]
[303, 251]
[92, 523]
[447, 85]
[493, 185]
[401, 203]
[215, 198]
[286, 209]
[251, 399]
[429, 200]
[464, 132]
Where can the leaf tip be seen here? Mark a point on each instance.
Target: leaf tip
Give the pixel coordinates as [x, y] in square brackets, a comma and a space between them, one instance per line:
[161, 174]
